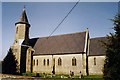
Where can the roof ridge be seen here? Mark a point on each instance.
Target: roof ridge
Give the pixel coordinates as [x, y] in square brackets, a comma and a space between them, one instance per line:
[62, 34]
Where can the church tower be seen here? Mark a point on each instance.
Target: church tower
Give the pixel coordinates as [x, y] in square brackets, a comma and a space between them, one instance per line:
[21, 42]
[22, 29]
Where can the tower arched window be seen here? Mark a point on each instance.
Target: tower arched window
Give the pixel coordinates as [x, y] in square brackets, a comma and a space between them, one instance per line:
[59, 61]
[94, 61]
[44, 62]
[16, 30]
[74, 61]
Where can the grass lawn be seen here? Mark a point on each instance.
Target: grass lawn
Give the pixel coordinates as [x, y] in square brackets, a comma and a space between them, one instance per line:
[63, 76]
[89, 79]
[93, 76]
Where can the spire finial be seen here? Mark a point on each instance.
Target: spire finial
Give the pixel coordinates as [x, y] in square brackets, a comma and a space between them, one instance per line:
[24, 7]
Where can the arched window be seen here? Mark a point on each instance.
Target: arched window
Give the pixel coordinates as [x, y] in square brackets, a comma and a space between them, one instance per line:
[37, 62]
[17, 30]
[34, 62]
[48, 62]
[59, 61]
[44, 62]
[73, 61]
[94, 61]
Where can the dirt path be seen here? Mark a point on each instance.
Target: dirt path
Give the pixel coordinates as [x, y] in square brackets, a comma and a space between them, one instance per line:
[15, 76]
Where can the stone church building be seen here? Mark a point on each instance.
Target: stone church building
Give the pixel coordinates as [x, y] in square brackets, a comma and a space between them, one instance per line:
[59, 54]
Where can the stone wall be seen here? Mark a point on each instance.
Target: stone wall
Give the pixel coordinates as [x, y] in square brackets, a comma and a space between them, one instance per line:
[41, 68]
[64, 68]
[95, 65]
[17, 52]
[0, 67]
[20, 31]
[20, 54]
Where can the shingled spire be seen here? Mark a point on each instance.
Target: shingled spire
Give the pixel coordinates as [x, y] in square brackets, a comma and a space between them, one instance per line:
[23, 18]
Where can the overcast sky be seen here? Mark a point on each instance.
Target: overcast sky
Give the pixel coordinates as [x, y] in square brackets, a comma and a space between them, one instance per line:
[45, 16]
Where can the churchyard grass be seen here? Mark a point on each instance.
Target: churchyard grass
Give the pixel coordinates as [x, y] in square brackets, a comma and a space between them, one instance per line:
[63, 76]
[93, 76]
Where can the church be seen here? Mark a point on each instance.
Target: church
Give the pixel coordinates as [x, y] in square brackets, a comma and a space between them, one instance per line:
[59, 54]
